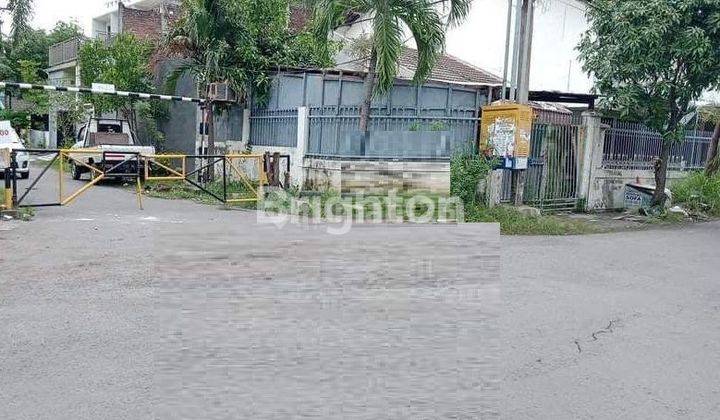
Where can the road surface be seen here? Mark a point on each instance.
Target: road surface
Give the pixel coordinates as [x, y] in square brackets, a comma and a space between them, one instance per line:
[185, 310]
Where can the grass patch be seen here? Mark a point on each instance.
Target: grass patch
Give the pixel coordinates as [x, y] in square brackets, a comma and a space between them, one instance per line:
[180, 190]
[667, 218]
[698, 194]
[26, 214]
[513, 222]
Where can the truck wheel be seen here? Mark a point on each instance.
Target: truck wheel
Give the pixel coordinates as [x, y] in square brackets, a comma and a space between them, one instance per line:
[76, 171]
[25, 175]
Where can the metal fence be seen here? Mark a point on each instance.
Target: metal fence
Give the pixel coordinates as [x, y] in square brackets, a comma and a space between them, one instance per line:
[635, 146]
[277, 127]
[551, 180]
[393, 133]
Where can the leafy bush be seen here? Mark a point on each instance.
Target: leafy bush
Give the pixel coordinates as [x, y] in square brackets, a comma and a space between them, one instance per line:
[698, 193]
[466, 170]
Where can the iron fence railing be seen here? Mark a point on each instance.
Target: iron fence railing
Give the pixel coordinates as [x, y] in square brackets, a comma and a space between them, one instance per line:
[277, 127]
[395, 133]
[64, 52]
[630, 145]
[551, 179]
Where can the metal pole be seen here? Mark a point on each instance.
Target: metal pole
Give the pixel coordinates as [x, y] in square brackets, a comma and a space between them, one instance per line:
[507, 51]
[526, 51]
[8, 199]
[13, 165]
[516, 51]
[225, 178]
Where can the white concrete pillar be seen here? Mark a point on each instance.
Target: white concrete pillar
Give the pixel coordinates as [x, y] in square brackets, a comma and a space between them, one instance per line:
[297, 174]
[591, 147]
[52, 128]
[245, 128]
[493, 187]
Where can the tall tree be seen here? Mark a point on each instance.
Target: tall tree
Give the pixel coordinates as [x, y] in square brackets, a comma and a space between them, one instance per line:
[651, 60]
[22, 11]
[390, 19]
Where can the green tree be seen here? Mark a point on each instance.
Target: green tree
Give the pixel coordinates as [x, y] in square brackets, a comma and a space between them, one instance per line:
[124, 63]
[389, 19]
[22, 11]
[239, 42]
[651, 60]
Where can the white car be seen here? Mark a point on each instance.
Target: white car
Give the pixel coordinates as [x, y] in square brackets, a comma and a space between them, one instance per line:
[10, 140]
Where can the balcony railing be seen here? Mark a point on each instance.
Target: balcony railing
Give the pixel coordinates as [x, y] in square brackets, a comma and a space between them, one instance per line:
[108, 37]
[64, 52]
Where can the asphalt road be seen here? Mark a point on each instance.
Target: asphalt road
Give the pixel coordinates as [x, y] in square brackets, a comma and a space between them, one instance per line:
[188, 311]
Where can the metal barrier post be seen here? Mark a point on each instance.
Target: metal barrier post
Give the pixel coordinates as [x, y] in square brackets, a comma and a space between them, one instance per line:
[137, 181]
[14, 165]
[8, 199]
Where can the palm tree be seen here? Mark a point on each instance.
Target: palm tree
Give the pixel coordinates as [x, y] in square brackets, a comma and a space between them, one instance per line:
[390, 19]
[203, 37]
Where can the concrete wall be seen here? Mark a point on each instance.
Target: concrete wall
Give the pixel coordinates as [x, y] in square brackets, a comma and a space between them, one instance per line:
[602, 188]
[39, 139]
[607, 188]
[182, 126]
[369, 177]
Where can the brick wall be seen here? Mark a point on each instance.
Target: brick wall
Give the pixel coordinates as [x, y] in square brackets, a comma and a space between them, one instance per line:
[141, 23]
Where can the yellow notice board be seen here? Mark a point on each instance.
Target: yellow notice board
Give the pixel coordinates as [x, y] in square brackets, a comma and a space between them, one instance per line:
[506, 128]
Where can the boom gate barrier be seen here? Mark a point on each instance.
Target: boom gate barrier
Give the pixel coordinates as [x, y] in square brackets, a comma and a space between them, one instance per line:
[234, 167]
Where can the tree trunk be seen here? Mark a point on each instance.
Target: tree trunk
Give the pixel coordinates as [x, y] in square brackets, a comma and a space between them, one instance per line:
[368, 88]
[712, 164]
[661, 175]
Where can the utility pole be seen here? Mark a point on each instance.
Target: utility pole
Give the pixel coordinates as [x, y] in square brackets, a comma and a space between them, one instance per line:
[521, 75]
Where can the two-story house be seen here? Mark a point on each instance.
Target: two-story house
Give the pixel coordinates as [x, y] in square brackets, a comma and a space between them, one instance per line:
[143, 18]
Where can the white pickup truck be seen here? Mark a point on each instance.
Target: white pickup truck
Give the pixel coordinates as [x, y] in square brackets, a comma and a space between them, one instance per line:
[110, 142]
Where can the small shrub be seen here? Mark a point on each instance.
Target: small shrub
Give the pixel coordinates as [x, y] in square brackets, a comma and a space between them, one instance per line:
[698, 193]
[437, 126]
[466, 170]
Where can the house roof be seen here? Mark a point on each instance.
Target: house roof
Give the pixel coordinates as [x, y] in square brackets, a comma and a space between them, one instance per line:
[448, 69]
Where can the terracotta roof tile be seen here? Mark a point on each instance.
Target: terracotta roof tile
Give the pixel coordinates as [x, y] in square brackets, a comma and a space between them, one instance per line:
[450, 69]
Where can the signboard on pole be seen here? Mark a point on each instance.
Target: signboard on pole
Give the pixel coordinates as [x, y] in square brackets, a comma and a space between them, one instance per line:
[103, 87]
[506, 128]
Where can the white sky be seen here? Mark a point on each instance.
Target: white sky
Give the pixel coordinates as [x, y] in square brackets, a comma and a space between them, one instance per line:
[480, 40]
[48, 12]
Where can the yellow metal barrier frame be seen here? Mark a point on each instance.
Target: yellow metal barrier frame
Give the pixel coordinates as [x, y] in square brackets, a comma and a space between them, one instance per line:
[96, 175]
[7, 198]
[176, 176]
[258, 193]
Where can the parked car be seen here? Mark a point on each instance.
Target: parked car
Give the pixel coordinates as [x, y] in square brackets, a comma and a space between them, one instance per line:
[10, 140]
[112, 142]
